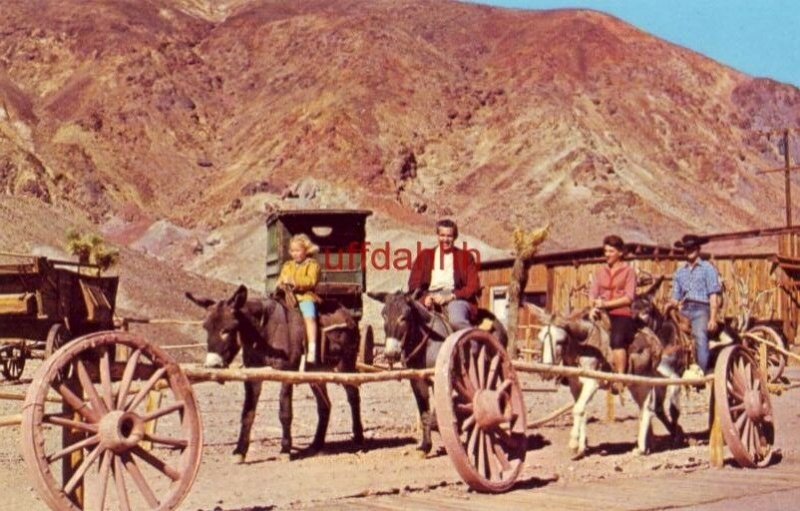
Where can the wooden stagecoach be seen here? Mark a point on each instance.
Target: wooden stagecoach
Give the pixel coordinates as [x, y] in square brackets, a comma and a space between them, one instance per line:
[340, 235]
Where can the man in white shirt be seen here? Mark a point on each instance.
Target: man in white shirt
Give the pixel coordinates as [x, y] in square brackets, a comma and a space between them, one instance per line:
[447, 276]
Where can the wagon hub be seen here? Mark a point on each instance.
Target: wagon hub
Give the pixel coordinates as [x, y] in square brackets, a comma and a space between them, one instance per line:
[488, 406]
[121, 431]
[754, 405]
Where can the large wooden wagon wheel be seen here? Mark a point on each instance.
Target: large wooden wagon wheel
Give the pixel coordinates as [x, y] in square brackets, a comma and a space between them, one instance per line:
[76, 450]
[480, 411]
[742, 400]
[776, 362]
[14, 363]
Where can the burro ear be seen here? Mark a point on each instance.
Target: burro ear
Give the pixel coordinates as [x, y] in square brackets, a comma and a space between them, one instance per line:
[202, 302]
[378, 296]
[540, 314]
[416, 294]
[239, 297]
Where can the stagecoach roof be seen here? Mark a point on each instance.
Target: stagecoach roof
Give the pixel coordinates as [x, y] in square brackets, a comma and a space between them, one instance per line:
[288, 213]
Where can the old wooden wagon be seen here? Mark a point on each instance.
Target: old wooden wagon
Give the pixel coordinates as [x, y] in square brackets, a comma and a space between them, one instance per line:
[44, 303]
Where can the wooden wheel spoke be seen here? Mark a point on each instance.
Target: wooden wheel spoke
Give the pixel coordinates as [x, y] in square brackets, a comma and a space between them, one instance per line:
[163, 440]
[473, 372]
[119, 480]
[84, 466]
[77, 404]
[473, 438]
[459, 395]
[156, 463]
[495, 468]
[733, 391]
[740, 423]
[105, 379]
[737, 407]
[464, 408]
[465, 390]
[104, 474]
[60, 420]
[139, 480]
[86, 442]
[89, 389]
[755, 445]
[494, 365]
[749, 377]
[745, 436]
[480, 456]
[145, 389]
[156, 414]
[468, 423]
[744, 380]
[127, 377]
[481, 361]
[507, 439]
[499, 453]
[505, 387]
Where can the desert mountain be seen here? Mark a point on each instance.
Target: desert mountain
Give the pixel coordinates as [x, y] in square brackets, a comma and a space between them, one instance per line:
[169, 124]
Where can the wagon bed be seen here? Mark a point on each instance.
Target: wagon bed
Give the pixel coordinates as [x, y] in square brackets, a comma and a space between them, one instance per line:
[45, 302]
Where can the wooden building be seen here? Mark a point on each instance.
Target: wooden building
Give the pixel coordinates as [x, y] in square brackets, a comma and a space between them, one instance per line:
[759, 269]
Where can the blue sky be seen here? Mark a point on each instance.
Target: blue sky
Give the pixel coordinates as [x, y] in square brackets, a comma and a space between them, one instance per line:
[758, 37]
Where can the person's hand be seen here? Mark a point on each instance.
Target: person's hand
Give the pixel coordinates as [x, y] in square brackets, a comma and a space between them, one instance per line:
[428, 301]
[712, 324]
[598, 303]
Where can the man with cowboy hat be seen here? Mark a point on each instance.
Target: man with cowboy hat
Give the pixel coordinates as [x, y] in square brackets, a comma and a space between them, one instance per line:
[696, 289]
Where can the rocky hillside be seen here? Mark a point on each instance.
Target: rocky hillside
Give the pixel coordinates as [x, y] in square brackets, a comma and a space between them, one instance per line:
[169, 124]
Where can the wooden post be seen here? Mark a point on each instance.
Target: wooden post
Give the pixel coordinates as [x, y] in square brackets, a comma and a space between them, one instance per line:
[787, 183]
[610, 413]
[716, 444]
[786, 169]
[152, 404]
[69, 436]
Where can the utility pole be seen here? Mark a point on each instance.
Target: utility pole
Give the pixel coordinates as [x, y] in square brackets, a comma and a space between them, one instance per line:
[786, 169]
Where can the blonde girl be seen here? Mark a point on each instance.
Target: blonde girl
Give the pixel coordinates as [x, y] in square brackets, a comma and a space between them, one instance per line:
[300, 275]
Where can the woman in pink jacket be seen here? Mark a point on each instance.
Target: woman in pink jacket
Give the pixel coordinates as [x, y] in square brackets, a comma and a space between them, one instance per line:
[612, 290]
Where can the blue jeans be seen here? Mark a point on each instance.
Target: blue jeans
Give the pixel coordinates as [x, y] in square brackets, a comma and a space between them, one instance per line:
[698, 314]
[458, 313]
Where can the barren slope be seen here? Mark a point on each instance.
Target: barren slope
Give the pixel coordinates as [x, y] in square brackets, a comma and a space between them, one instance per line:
[198, 112]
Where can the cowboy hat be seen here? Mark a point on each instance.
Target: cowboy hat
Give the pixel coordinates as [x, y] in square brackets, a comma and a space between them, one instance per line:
[690, 242]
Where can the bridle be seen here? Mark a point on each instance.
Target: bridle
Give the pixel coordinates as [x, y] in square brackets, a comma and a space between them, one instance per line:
[548, 337]
[404, 339]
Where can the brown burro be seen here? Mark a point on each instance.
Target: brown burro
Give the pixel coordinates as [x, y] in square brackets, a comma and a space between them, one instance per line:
[270, 334]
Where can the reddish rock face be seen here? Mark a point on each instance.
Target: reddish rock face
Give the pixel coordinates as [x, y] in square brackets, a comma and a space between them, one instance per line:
[177, 108]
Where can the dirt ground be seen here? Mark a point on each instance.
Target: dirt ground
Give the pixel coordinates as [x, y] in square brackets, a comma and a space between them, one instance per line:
[389, 463]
